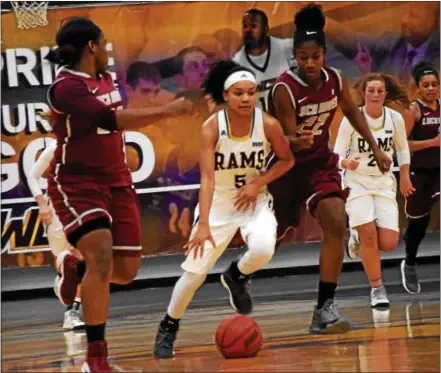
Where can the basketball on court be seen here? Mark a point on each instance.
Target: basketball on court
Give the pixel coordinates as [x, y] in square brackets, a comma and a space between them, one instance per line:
[238, 336]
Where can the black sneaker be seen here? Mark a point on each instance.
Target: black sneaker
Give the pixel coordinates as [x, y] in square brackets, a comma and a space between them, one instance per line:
[409, 278]
[164, 344]
[240, 298]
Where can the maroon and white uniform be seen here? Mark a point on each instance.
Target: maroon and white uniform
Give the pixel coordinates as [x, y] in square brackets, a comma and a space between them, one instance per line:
[315, 175]
[424, 163]
[89, 177]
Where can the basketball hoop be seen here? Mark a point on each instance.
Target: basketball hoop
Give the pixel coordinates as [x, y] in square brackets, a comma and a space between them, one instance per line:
[30, 14]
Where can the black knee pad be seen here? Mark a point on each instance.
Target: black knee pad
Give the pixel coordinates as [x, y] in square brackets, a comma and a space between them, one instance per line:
[92, 225]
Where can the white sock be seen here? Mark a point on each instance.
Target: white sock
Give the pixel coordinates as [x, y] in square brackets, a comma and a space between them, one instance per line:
[183, 293]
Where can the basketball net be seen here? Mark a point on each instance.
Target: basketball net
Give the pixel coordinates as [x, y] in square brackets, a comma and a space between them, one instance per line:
[30, 14]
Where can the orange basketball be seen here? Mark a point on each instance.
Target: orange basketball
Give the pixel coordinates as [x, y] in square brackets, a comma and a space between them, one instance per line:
[238, 336]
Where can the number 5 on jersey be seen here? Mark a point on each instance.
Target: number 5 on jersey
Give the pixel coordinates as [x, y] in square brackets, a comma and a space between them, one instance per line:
[239, 180]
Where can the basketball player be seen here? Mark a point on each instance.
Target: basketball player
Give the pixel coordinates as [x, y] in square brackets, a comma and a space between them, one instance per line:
[233, 195]
[305, 100]
[424, 141]
[267, 57]
[89, 182]
[371, 205]
[55, 234]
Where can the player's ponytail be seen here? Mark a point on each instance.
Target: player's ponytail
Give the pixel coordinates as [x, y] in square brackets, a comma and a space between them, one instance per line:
[71, 39]
[217, 76]
[310, 22]
[395, 90]
[423, 68]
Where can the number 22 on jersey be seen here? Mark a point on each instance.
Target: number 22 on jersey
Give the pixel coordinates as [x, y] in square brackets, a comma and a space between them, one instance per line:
[314, 124]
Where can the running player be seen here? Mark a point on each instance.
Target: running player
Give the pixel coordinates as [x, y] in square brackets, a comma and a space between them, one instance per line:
[371, 206]
[266, 56]
[305, 100]
[424, 141]
[55, 234]
[89, 182]
[233, 195]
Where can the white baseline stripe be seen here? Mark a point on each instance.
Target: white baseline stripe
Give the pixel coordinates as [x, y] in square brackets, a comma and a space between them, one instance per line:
[12, 201]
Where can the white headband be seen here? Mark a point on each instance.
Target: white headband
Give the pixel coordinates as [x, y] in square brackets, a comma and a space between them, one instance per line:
[239, 76]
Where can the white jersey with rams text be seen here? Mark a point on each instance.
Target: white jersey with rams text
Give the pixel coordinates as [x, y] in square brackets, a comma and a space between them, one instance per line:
[389, 131]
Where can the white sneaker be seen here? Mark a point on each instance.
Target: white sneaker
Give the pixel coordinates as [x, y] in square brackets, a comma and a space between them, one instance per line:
[72, 320]
[74, 343]
[379, 297]
[353, 248]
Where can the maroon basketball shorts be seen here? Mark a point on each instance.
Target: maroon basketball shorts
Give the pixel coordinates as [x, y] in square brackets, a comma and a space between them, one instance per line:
[84, 207]
[305, 184]
[426, 184]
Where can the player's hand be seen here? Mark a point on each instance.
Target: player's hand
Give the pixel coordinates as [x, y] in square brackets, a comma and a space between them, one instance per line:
[246, 197]
[383, 160]
[178, 107]
[196, 244]
[303, 140]
[45, 214]
[406, 187]
[363, 59]
[351, 163]
[435, 142]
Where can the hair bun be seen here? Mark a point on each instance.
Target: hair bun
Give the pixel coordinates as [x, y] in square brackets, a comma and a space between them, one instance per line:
[310, 18]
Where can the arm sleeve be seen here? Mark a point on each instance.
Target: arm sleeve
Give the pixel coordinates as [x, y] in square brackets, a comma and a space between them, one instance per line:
[71, 96]
[39, 168]
[401, 145]
[343, 140]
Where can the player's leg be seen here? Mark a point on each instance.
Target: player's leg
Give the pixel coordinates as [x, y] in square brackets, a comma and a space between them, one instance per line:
[417, 209]
[83, 211]
[259, 233]
[60, 248]
[126, 234]
[185, 288]
[327, 204]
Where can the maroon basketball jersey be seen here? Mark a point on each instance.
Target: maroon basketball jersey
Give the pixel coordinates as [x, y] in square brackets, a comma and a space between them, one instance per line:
[427, 127]
[314, 109]
[85, 151]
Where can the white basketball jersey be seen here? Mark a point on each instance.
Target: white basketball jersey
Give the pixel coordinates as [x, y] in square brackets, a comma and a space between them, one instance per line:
[267, 67]
[238, 161]
[384, 130]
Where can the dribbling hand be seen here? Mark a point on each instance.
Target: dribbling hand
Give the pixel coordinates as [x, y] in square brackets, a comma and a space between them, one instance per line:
[246, 197]
[196, 244]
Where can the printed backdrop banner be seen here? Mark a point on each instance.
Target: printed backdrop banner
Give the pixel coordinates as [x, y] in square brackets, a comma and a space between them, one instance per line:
[152, 64]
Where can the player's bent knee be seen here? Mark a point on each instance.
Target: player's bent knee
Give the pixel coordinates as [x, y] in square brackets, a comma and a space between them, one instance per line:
[193, 280]
[389, 241]
[262, 245]
[125, 269]
[368, 234]
[96, 248]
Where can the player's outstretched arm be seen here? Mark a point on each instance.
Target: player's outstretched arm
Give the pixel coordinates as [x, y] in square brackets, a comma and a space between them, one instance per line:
[358, 121]
[71, 96]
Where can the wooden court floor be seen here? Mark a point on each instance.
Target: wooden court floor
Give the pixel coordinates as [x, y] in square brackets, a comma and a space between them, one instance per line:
[405, 339]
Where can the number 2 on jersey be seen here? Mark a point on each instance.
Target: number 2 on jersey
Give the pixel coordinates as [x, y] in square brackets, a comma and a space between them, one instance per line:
[372, 161]
[314, 124]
